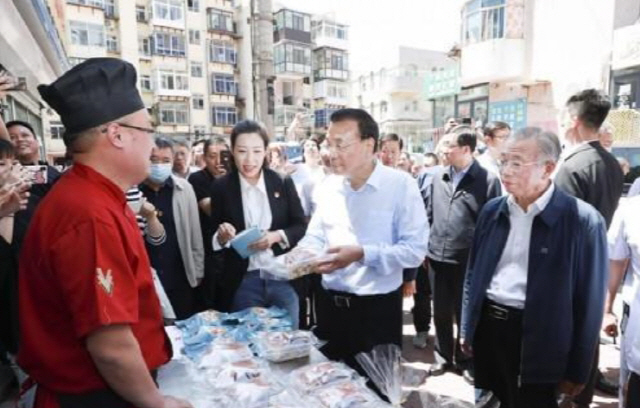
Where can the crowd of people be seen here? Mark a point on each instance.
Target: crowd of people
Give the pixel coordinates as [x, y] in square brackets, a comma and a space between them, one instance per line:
[516, 253]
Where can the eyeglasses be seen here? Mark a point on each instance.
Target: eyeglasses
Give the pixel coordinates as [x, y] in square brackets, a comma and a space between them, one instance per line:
[341, 147]
[515, 165]
[142, 129]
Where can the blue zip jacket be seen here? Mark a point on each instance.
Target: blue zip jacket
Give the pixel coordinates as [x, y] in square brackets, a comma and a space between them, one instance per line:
[566, 283]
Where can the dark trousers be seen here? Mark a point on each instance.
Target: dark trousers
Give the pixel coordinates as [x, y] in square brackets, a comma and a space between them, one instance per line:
[633, 391]
[496, 349]
[352, 324]
[585, 397]
[182, 297]
[447, 281]
[422, 300]
[307, 289]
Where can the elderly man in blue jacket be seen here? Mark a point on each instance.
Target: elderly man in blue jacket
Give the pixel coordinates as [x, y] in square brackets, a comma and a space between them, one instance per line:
[535, 285]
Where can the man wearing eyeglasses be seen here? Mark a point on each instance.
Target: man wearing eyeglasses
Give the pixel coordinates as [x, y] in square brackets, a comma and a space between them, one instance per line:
[534, 289]
[458, 193]
[371, 220]
[91, 329]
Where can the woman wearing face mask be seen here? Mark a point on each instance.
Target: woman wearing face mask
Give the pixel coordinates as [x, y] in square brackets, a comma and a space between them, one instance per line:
[252, 195]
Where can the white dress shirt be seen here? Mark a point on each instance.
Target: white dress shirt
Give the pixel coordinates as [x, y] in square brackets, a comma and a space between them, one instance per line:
[509, 284]
[490, 164]
[386, 217]
[257, 213]
[624, 243]
[630, 346]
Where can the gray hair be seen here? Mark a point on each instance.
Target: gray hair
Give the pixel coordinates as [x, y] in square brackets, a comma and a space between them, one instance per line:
[163, 142]
[548, 143]
[181, 141]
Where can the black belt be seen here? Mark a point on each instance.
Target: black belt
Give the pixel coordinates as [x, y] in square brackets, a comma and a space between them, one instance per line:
[497, 311]
[346, 300]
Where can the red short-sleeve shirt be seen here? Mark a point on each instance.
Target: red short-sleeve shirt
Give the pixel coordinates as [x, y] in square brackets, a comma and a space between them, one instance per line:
[84, 266]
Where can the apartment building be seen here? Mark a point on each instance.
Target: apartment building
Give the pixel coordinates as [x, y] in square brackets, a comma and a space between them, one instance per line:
[185, 52]
[331, 85]
[394, 94]
[292, 48]
[39, 57]
[520, 60]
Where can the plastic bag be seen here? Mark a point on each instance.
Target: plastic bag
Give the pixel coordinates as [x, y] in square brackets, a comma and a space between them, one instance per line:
[346, 395]
[294, 264]
[431, 400]
[384, 366]
[311, 377]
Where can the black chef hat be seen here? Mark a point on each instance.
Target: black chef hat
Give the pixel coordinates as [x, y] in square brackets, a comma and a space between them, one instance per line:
[97, 91]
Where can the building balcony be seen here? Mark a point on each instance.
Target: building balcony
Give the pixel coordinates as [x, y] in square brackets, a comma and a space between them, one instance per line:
[493, 61]
[332, 92]
[626, 47]
[303, 37]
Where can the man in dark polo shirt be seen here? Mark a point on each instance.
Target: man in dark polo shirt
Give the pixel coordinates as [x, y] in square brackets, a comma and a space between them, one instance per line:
[91, 329]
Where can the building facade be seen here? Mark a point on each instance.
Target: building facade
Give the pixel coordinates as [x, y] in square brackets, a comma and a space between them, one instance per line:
[39, 57]
[520, 60]
[331, 85]
[185, 51]
[394, 95]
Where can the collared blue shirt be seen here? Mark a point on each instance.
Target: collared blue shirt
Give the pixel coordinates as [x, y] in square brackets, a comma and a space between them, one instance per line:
[457, 176]
[386, 217]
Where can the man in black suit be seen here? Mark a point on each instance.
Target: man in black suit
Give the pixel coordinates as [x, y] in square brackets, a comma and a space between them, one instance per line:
[458, 193]
[591, 174]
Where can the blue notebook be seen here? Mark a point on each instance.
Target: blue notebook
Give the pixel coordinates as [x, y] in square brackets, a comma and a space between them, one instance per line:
[242, 241]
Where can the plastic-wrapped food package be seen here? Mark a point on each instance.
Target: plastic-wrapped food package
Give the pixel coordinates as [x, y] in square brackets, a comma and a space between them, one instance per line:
[281, 346]
[311, 377]
[225, 350]
[289, 399]
[296, 263]
[253, 370]
[353, 394]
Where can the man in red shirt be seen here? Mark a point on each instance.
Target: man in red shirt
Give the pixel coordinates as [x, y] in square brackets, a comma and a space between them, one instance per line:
[91, 328]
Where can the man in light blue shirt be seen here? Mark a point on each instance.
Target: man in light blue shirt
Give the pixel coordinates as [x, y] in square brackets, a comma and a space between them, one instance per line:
[372, 221]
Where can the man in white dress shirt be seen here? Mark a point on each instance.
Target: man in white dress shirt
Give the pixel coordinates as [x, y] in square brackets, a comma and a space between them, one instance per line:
[371, 218]
[495, 136]
[624, 256]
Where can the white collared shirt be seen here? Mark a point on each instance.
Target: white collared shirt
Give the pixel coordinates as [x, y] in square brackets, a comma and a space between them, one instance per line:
[509, 284]
[624, 243]
[386, 217]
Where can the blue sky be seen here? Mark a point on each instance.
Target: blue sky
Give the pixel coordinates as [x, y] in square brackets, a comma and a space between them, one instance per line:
[377, 27]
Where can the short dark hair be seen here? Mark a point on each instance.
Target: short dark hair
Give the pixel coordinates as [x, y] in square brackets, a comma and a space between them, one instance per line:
[465, 136]
[21, 123]
[367, 127]
[212, 142]
[590, 106]
[7, 149]
[391, 137]
[314, 139]
[163, 142]
[433, 157]
[492, 127]
[249, 126]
